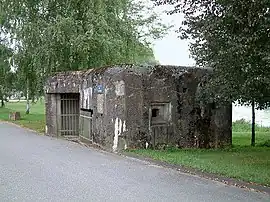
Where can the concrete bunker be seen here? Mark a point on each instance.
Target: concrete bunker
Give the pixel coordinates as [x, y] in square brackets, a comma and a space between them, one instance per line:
[130, 106]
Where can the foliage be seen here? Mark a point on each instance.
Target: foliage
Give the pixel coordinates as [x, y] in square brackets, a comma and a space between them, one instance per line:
[244, 126]
[232, 37]
[53, 36]
[6, 76]
[266, 144]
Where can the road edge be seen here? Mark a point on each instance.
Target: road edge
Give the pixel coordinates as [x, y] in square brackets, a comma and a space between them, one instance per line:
[20, 126]
[196, 172]
[191, 171]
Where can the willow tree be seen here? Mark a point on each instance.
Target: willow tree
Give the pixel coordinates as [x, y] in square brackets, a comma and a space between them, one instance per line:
[52, 35]
[5, 72]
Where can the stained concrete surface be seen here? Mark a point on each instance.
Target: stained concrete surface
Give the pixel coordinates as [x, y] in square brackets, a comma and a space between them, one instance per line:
[40, 168]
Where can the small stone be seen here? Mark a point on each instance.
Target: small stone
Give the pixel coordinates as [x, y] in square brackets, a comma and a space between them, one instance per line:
[14, 116]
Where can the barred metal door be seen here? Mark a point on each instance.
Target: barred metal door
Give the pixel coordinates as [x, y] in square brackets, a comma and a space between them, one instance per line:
[70, 114]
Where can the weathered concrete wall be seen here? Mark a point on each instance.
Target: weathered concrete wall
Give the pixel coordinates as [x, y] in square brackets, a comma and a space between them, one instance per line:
[191, 124]
[51, 114]
[136, 127]
[115, 108]
[103, 93]
[187, 110]
[67, 82]
[139, 107]
[222, 126]
[64, 82]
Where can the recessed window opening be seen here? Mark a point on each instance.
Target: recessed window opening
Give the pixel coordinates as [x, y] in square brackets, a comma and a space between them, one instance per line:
[184, 90]
[160, 113]
[155, 112]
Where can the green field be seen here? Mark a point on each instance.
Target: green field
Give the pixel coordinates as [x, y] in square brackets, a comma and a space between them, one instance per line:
[251, 164]
[35, 120]
[242, 161]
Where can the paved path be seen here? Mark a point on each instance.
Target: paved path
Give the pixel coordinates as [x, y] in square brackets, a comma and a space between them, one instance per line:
[37, 168]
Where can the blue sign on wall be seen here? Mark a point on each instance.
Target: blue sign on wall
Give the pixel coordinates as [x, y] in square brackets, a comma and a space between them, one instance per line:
[99, 88]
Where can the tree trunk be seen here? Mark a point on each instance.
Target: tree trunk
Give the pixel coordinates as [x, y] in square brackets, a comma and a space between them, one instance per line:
[253, 125]
[27, 106]
[2, 97]
[2, 102]
[27, 100]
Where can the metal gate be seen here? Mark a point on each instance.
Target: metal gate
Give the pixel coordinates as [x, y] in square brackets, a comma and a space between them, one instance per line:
[69, 114]
[86, 126]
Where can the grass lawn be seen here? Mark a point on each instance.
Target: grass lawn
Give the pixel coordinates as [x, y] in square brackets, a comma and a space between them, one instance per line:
[246, 163]
[241, 161]
[35, 120]
[251, 164]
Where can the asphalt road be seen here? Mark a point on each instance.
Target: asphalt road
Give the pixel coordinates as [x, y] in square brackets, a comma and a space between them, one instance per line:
[38, 168]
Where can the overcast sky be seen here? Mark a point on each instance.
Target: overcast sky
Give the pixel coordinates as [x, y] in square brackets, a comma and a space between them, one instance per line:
[171, 50]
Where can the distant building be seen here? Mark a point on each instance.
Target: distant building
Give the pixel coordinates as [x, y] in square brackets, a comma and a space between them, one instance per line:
[130, 106]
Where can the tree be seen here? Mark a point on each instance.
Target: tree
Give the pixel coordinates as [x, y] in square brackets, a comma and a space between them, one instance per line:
[232, 37]
[54, 35]
[5, 73]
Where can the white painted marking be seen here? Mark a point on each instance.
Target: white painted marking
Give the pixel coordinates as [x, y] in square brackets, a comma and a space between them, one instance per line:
[119, 88]
[117, 132]
[124, 127]
[87, 96]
